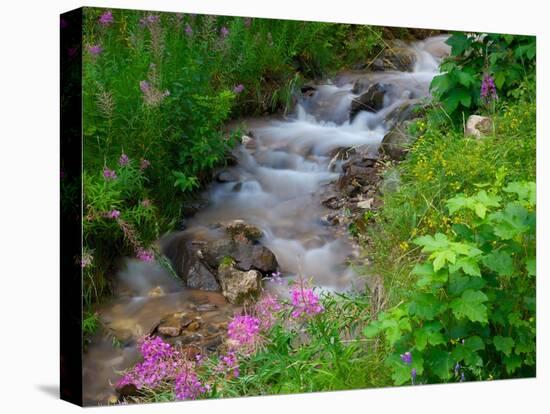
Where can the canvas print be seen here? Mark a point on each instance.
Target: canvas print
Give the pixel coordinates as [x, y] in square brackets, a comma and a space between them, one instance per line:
[253, 206]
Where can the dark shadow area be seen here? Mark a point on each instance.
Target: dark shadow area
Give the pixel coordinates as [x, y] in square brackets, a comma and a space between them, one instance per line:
[49, 389]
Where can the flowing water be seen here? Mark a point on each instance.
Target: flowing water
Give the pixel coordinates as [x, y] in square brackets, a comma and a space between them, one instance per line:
[278, 184]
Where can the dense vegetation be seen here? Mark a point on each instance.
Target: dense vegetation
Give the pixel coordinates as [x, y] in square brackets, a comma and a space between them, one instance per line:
[454, 245]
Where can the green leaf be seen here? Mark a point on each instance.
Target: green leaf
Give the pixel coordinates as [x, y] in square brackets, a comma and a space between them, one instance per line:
[426, 306]
[510, 222]
[468, 265]
[465, 78]
[441, 364]
[441, 258]
[470, 305]
[512, 363]
[500, 262]
[531, 266]
[526, 191]
[503, 344]
[372, 329]
[459, 42]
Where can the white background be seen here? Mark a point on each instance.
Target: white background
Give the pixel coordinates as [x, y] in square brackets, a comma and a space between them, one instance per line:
[29, 174]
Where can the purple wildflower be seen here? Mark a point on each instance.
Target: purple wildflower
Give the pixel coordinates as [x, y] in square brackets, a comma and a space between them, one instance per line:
[113, 214]
[86, 260]
[238, 89]
[95, 50]
[160, 362]
[305, 302]
[189, 30]
[243, 332]
[265, 309]
[413, 375]
[276, 278]
[106, 18]
[188, 386]
[123, 160]
[145, 255]
[224, 32]
[229, 364]
[488, 89]
[406, 358]
[143, 164]
[109, 174]
[144, 86]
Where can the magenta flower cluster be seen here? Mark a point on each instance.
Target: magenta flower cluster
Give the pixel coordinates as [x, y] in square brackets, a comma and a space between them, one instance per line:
[243, 332]
[238, 89]
[113, 214]
[124, 160]
[266, 310]
[188, 386]
[305, 302]
[188, 30]
[488, 89]
[95, 50]
[106, 18]
[229, 364]
[109, 174]
[149, 20]
[145, 255]
[162, 362]
[224, 32]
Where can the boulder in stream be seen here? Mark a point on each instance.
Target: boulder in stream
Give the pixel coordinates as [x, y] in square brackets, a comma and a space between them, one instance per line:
[239, 287]
[372, 100]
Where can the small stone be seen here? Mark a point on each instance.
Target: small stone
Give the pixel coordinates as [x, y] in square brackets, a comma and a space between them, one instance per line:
[478, 126]
[365, 204]
[193, 326]
[169, 330]
[156, 292]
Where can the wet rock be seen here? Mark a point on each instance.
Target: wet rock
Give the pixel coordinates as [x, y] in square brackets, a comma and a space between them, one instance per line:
[239, 287]
[360, 85]
[398, 58]
[176, 248]
[246, 256]
[334, 202]
[237, 187]
[193, 326]
[308, 90]
[478, 126]
[170, 325]
[410, 109]
[206, 307]
[213, 344]
[200, 277]
[248, 142]
[372, 100]
[226, 176]
[397, 141]
[246, 231]
[156, 292]
[190, 352]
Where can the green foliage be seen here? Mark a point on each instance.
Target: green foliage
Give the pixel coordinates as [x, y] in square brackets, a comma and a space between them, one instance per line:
[473, 304]
[508, 59]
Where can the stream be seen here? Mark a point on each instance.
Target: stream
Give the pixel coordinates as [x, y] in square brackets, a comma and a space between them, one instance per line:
[284, 171]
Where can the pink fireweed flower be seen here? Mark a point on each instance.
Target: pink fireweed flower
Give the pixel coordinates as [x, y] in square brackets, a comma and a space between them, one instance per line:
[265, 309]
[228, 364]
[305, 302]
[160, 362]
[95, 50]
[145, 255]
[124, 160]
[243, 332]
[188, 30]
[143, 164]
[106, 18]
[488, 89]
[109, 174]
[113, 214]
[149, 20]
[224, 32]
[188, 385]
[238, 89]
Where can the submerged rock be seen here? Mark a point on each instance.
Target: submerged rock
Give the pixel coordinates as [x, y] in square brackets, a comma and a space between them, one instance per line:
[246, 256]
[239, 287]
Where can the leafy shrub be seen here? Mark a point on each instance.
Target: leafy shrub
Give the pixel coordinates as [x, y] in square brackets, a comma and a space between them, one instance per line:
[504, 60]
[472, 313]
